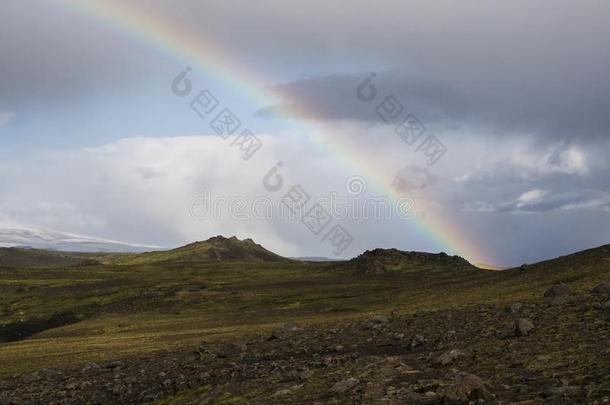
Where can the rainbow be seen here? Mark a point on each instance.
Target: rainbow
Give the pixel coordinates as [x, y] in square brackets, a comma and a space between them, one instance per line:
[187, 48]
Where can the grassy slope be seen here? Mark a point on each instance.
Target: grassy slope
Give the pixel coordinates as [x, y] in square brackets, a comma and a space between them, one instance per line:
[22, 257]
[148, 307]
[16, 257]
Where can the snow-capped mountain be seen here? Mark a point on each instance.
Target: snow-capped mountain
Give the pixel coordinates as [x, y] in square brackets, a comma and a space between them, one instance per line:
[21, 237]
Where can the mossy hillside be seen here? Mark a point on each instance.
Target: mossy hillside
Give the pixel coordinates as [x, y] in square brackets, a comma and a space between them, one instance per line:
[133, 309]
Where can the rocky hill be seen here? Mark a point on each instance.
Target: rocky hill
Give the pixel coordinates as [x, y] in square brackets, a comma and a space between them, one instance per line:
[217, 248]
[379, 261]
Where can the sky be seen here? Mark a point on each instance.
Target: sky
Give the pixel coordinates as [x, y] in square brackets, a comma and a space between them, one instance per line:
[474, 128]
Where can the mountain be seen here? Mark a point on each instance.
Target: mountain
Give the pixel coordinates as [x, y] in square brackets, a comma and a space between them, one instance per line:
[50, 240]
[217, 248]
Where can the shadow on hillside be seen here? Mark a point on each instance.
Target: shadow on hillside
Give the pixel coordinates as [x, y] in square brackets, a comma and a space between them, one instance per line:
[17, 331]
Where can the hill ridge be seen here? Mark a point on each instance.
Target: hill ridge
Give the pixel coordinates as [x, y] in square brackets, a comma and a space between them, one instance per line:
[216, 248]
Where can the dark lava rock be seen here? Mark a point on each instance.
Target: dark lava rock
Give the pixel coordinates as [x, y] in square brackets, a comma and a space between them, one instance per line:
[377, 261]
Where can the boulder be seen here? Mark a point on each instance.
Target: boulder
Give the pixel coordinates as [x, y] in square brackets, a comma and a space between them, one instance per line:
[345, 385]
[232, 349]
[514, 308]
[558, 291]
[90, 368]
[523, 327]
[376, 322]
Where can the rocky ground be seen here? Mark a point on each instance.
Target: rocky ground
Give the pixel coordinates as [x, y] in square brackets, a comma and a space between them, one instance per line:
[554, 350]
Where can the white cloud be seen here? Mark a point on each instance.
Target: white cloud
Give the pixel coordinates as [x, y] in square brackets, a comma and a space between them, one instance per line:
[143, 190]
[556, 159]
[531, 197]
[522, 161]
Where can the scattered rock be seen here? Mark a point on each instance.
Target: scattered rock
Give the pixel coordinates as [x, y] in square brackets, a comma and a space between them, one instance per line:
[345, 385]
[376, 322]
[90, 368]
[115, 365]
[418, 340]
[465, 387]
[515, 309]
[232, 349]
[558, 290]
[379, 319]
[449, 357]
[523, 327]
[276, 334]
[523, 267]
[297, 375]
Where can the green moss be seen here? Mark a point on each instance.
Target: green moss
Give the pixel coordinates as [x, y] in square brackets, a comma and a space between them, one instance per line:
[130, 309]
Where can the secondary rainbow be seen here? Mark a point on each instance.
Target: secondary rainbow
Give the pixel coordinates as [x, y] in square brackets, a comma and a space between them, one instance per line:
[182, 45]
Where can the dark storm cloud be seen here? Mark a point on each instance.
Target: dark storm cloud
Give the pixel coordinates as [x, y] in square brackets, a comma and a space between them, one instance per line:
[519, 65]
[565, 108]
[515, 67]
[53, 53]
